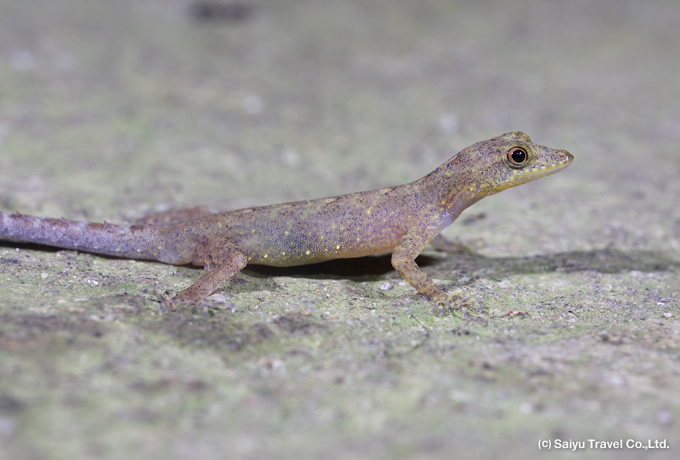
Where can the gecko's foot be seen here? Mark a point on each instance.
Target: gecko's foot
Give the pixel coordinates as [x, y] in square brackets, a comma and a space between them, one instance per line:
[173, 302]
[456, 303]
[168, 302]
[178, 303]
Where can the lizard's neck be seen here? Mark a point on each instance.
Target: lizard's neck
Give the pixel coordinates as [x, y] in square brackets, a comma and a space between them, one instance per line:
[448, 190]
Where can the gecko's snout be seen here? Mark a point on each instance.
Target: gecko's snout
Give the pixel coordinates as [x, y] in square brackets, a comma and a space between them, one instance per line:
[560, 159]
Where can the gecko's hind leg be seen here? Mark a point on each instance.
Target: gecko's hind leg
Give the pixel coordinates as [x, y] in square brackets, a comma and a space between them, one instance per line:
[172, 216]
[222, 263]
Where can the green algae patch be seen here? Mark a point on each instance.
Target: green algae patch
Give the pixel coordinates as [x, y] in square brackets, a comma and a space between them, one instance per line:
[114, 110]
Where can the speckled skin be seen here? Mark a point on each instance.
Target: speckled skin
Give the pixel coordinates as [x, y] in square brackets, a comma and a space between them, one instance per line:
[400, 220]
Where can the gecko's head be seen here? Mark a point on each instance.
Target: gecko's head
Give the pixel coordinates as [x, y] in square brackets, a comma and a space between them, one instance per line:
[510, 160]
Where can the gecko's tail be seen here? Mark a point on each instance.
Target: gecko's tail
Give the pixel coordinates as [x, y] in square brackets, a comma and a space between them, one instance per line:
[114, 240]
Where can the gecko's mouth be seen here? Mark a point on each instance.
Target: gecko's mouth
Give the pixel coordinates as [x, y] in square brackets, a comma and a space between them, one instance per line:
[542, 170]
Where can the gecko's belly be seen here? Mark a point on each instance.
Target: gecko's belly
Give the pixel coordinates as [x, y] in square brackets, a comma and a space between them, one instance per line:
[302, 254]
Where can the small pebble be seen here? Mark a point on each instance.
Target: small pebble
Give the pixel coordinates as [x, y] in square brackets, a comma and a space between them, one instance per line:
[386, 286]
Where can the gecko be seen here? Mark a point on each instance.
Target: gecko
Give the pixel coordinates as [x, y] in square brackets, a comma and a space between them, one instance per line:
[400, 220]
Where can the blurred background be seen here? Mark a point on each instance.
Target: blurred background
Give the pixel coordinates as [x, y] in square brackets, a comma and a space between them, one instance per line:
[112, 110]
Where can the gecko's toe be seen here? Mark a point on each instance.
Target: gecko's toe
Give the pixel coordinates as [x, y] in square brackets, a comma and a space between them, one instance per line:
[455, 303]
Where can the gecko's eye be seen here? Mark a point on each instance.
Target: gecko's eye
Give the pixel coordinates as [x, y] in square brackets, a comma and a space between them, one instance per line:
[517, 156]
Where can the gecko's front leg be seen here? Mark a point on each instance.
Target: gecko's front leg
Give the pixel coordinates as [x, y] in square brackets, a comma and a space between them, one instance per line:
[403, 261]
[222, 261]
